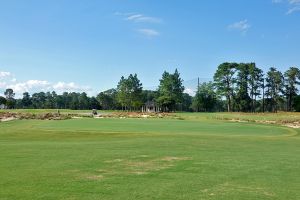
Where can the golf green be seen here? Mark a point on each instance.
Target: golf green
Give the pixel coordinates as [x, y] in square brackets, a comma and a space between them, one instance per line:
[148, 159]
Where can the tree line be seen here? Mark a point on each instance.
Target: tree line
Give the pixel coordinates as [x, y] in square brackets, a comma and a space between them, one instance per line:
[246, 88]
[236, 87]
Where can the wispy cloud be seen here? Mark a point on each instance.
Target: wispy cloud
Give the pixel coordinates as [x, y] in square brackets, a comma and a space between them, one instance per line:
[294, 1]
[242, 26]
[293, 5]
[277, 1]
[142, 20]
[139, 18]
[148, 32]
[4, 74]
[292, 10]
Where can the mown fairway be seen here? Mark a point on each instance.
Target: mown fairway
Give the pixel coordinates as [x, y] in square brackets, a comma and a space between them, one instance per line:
[197, 158]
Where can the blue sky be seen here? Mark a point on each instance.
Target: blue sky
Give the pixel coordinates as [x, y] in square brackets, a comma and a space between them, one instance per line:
[88, 45]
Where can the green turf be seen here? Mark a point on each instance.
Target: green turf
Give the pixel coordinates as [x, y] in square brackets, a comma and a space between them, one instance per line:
[148, 159]
[280, 117]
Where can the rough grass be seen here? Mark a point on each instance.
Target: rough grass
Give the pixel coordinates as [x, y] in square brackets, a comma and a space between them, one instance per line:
[195, 158]
[276, 118]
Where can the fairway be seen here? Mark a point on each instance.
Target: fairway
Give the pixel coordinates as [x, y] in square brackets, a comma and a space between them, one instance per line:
[197, 158]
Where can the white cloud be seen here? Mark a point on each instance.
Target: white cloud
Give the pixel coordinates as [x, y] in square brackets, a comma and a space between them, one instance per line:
[4, 74]
[292, 10]
[293, 5]
[293, 2]
[33, 86]
[277, 1]
[140, 18]
[242, 26]
[149, 32]
[30, 85]
[70, 87]
[2, 85]
[190, 91]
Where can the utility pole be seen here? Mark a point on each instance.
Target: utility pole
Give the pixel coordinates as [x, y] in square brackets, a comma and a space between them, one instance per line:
[263, 103]
[198, 109]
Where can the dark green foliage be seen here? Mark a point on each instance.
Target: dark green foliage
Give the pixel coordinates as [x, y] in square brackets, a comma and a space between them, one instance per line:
[10, 101]
[2, 100]
[93, 103]
[224, 82]
[274, 85]
[26, 100]
[149, 95]
[242, 98]
[205, 99]
[170, 91]
[129, 92]
[297, 103]
[38, 100]
[108, 99]
[186, 102]
[256, 79]
[291, 82]
[83, 101]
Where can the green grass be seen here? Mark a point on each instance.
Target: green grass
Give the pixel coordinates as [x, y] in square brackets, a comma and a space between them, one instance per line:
[280, 117]
[196, 158]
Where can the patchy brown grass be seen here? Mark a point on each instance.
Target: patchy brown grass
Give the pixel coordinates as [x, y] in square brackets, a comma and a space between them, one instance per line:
[227, 188]
[119, 167]
[95, 177]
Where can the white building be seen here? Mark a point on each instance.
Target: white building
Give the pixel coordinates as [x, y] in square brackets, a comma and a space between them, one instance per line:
[2, 106]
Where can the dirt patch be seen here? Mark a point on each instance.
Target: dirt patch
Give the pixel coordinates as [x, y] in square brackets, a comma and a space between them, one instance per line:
[7, 119]
[266, 122]
[141, 156]
[292, 125]
[227, 188]
[95, 177]
[138, 165]
[75, 117]
[170, 158]
[139, 173]
[238, 120]
[113, 161]
[98, 117]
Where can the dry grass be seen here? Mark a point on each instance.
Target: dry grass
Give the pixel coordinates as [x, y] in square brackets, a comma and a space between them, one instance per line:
[119, 167]
[228, 188]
